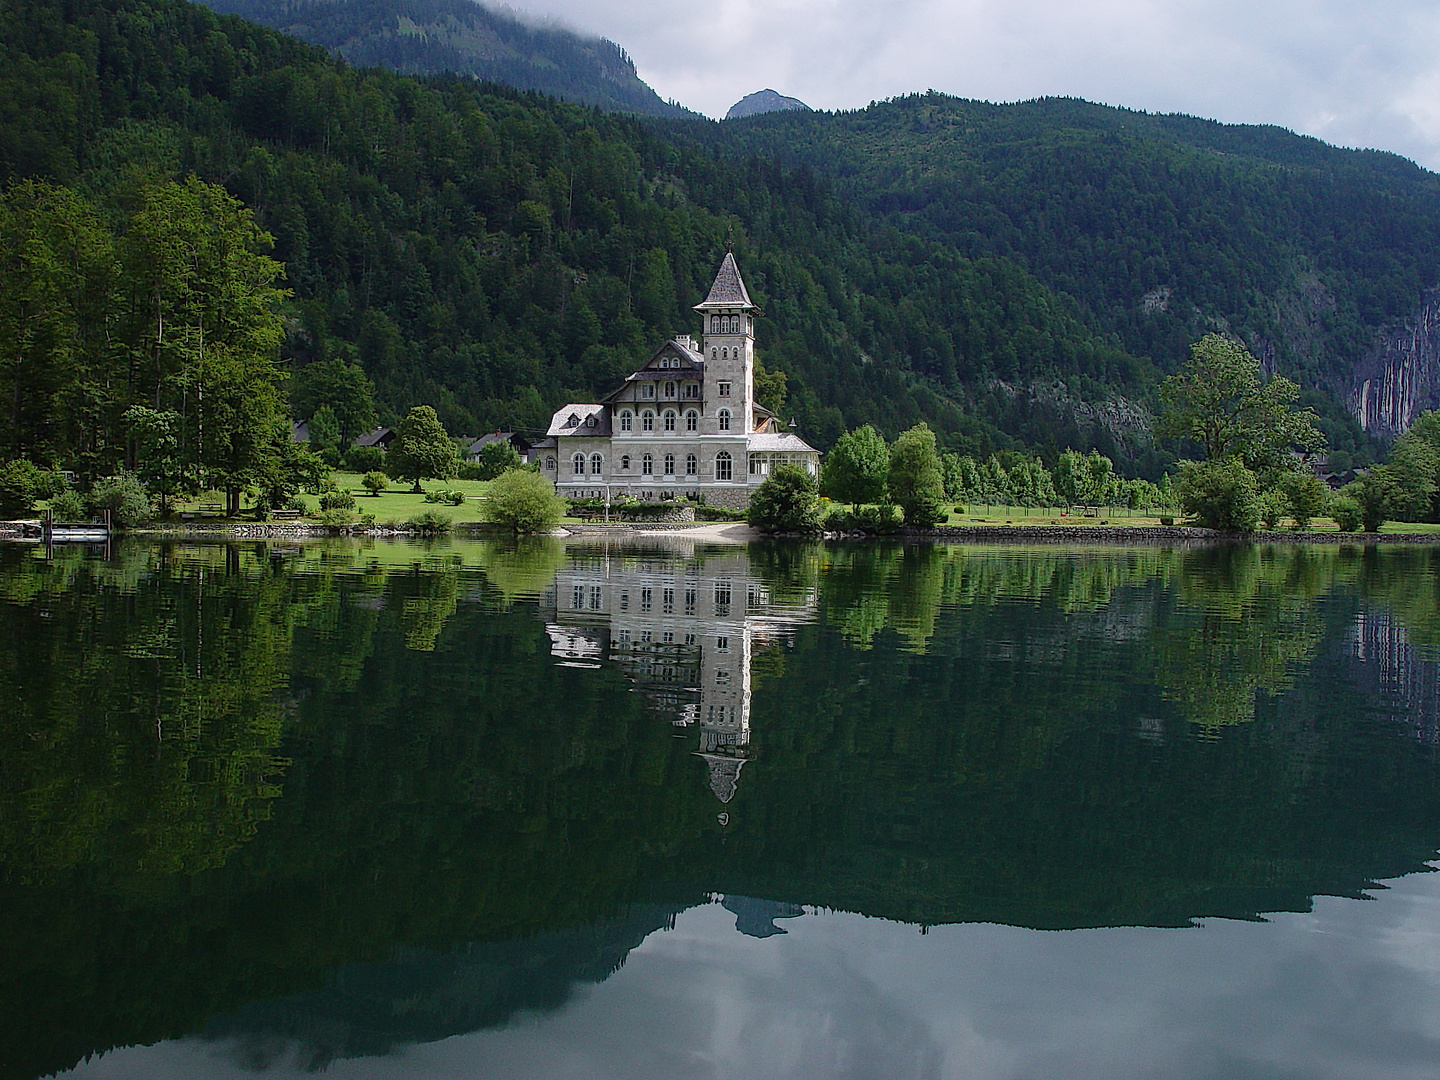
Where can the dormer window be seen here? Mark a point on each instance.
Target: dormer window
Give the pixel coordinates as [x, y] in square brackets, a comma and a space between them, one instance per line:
[572, 420]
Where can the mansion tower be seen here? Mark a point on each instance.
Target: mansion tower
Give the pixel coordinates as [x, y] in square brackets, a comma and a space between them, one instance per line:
[684, 425]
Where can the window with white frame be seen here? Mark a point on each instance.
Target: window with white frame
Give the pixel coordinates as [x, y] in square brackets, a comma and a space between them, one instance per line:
[550, 464]
[691, 464]
[647, 390]
[647, 464]
[624, 462]
[597, 464]
[577, 464]
[723, 418]
[724, 389]
[691, 391]
[669, 419]
[670, 390]
[692, 420]
[669, 464]
[647, 421]
[625, 419]
[723, 465]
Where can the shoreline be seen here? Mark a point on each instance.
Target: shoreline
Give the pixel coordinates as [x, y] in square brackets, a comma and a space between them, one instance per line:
[739, 532]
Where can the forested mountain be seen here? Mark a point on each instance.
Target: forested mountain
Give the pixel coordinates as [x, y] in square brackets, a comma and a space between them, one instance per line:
[1016, 275]
[423, 37]
[1160, 227]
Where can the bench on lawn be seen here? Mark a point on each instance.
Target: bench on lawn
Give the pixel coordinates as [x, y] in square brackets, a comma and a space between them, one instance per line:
[285, 515]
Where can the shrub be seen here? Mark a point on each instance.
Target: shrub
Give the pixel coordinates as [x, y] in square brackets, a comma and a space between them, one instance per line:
[524, 501]
[337, 500]
[717, 513]
[1270, 508]
[20, 485]
[471, 470]
[446, 496]
[364, 459]
[375, 481]
[1346, 512]
[958, 509]
[879, 520]
[1220, 494]
[429, 522]
[125, 497]
[788, 501]
[1305, 496]
[1375, 495]
[68, 505]
[337, 517]
[295, 502]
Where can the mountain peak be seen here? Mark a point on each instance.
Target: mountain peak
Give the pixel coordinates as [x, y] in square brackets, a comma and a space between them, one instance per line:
[764, 101]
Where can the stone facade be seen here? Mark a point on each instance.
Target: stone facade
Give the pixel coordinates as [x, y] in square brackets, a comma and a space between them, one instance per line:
[685, 425]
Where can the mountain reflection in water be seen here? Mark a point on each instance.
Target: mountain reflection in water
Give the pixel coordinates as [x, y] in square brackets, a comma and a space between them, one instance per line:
[321, 803]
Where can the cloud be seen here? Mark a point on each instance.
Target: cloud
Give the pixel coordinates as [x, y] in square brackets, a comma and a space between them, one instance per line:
[1355, 74]
[1350, 989]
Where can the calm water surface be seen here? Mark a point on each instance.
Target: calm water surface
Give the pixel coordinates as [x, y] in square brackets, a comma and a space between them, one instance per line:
[673, 811]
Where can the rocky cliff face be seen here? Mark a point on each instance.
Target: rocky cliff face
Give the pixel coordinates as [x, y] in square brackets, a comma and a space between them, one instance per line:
[1400, 378]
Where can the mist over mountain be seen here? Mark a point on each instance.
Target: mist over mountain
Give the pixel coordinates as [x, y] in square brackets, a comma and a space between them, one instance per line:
[425, 37]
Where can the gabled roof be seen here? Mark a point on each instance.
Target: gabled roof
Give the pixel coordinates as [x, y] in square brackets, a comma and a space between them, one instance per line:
[380, 436]
[728, 290]
[580, 419]
[692, 366]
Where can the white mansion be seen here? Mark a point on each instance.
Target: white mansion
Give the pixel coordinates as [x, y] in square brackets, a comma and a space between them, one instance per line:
[684, 425]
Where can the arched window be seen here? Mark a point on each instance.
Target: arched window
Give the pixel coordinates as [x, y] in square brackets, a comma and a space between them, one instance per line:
[714, 324]
[577, 464]
[625, 416]
[597, 464]
[691, 464]
[669, 419]
[624, 462]
[733, 326]
[723, 416]
[714, 353]
[724, 354]
[692, 420]
[647, 420]
[669, 464]
[647, 465]
[550, 464]
[723, 469]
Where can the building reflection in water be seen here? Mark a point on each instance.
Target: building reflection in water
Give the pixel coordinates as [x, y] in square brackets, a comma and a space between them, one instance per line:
[683, 623]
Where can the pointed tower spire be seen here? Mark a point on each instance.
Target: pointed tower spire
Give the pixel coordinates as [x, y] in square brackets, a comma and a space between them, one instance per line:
[728, 291]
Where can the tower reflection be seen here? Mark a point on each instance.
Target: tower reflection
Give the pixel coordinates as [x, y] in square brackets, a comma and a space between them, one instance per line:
[683, 622]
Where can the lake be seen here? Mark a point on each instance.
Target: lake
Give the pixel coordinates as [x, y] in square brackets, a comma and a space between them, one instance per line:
[666, 810]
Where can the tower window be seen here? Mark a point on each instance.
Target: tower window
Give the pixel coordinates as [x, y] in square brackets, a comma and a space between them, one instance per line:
[724, 389]
[723, 416]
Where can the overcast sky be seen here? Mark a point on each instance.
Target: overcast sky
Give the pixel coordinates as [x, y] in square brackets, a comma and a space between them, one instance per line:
[1352, 73]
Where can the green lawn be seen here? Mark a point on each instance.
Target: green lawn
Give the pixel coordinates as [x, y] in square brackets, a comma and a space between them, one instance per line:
[398, 504]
